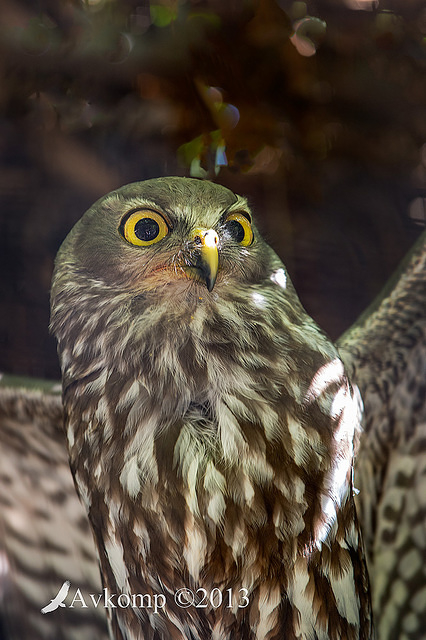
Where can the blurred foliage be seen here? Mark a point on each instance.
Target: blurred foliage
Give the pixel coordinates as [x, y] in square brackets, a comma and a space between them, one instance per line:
[281, 86]
[314, 109]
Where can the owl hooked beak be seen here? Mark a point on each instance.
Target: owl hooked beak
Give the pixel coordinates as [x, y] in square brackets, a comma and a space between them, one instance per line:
[207, 258]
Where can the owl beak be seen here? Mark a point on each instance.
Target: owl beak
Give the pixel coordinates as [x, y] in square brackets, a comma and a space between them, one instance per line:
[207, 263]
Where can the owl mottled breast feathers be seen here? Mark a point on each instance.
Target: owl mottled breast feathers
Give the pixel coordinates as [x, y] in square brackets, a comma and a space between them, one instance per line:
[210, 423]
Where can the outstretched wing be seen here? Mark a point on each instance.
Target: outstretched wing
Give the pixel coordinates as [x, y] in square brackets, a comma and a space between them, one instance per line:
[44, 534]
[385, 354]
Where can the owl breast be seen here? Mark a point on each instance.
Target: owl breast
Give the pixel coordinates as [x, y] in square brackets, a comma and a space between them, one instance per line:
[204, 471]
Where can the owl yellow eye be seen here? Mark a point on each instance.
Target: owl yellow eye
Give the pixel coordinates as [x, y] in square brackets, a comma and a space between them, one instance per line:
[239, 228]
[143, 228]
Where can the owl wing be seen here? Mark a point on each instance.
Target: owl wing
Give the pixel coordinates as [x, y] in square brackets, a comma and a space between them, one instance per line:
[385, 354]
[45, 538]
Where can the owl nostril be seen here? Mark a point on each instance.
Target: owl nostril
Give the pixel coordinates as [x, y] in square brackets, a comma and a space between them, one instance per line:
[210, 238]
[206, 238]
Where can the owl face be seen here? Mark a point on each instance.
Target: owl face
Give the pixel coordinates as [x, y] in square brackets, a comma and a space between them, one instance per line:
[171, 236]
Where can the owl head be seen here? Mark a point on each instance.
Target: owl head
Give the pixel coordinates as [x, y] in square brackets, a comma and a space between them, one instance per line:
[169, 262]
[171, 236]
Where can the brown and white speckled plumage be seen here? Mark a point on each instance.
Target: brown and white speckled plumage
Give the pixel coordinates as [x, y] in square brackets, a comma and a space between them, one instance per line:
[45, 537]
[385, 353]
[210, 432]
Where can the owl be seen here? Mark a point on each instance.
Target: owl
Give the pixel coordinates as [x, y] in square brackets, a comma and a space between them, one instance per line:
[210, 424]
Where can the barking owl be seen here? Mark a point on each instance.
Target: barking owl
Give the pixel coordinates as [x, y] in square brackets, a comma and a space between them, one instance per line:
[210, 424]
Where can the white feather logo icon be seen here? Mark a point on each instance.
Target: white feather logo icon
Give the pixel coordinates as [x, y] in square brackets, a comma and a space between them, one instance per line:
[58, 600]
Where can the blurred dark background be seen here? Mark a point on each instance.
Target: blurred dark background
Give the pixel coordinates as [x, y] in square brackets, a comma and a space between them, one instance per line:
[315, 110]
